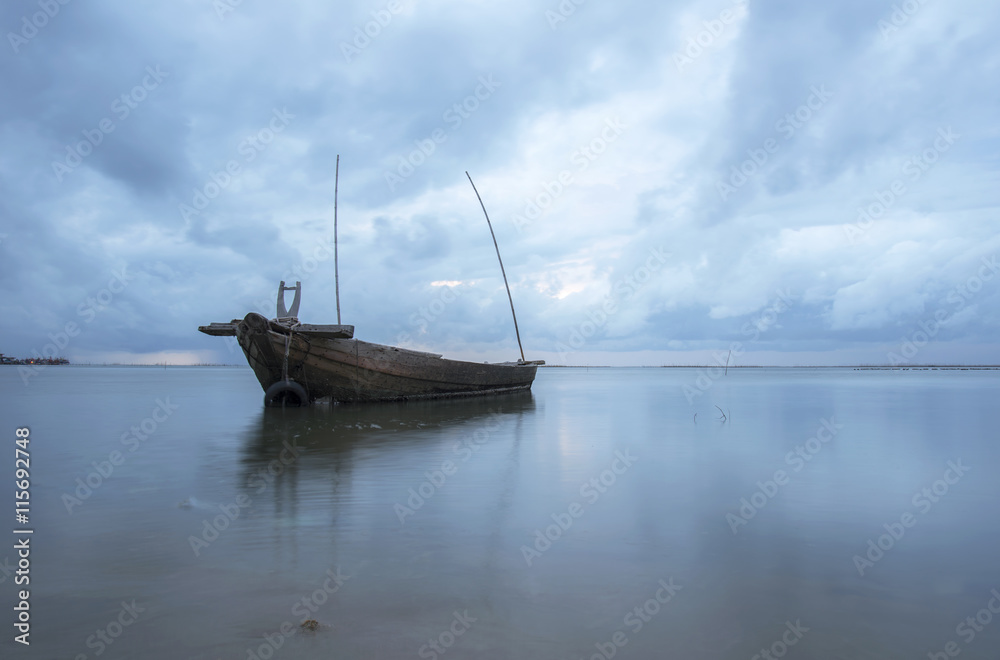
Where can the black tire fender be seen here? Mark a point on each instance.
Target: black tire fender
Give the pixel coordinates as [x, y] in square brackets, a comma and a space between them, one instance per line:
[286, 393]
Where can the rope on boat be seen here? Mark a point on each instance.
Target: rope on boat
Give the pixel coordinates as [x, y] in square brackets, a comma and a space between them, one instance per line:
[288, 343]
[284, 364]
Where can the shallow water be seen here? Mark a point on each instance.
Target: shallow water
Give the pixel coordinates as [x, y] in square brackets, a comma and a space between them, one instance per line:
[419, 529]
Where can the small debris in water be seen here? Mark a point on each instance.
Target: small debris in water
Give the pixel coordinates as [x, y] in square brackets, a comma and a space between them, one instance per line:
[310, 624]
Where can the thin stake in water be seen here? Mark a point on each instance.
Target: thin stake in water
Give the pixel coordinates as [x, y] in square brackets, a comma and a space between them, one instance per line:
[490, 224]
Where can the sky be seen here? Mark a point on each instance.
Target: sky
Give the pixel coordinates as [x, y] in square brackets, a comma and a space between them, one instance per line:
[670, 183]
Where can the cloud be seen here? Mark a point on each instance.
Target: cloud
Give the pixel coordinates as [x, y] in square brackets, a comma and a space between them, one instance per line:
[767, 147]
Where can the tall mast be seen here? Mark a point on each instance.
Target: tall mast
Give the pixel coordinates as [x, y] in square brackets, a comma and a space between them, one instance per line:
[516, 331]
[336, 265]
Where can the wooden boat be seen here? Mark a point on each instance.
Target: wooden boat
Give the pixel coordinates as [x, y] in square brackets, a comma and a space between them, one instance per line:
[299, 363]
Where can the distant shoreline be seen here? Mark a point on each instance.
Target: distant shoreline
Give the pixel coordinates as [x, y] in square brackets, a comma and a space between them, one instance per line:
[113, 364]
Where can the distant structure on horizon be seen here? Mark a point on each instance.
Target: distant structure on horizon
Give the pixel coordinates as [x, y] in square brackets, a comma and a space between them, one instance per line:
[46, 361]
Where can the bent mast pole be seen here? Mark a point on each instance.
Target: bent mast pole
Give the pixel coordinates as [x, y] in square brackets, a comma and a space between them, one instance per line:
[336, 266]
[502, 272]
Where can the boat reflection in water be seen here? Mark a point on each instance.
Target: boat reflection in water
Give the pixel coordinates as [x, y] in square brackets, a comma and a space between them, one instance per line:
[347, 480]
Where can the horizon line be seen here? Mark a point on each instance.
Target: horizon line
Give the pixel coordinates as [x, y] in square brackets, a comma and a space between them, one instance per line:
[583, 366]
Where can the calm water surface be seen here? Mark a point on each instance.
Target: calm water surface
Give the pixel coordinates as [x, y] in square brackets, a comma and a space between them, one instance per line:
[602, 514]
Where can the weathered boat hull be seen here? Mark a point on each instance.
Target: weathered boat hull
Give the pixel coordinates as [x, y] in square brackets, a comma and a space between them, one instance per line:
[350, 370]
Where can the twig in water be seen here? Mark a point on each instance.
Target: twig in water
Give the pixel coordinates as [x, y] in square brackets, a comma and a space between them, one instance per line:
[723, 418]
